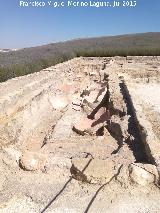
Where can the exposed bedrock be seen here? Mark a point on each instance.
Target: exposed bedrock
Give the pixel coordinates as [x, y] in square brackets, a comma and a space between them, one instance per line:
[77, 107]
[82, 134]
[30, 103]
[42, 104]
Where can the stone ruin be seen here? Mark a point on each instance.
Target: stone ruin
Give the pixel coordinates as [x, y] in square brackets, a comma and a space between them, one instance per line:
[87, 119]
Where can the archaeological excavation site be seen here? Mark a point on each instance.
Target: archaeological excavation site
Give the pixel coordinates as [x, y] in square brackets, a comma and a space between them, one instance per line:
[82, 136]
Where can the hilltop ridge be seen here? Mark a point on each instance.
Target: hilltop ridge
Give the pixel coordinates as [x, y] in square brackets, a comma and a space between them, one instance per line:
[33, 59]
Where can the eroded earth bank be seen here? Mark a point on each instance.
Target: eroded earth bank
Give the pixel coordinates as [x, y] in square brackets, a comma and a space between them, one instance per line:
[82, 136]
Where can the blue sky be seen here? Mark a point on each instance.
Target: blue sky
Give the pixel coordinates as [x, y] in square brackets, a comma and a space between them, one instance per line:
[25, 27]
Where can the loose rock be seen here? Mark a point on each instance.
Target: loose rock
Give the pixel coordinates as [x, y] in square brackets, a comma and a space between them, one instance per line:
[86, 124]
[32, 161]
[143, 174]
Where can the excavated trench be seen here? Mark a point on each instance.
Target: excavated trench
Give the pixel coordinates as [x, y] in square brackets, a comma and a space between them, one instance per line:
[103, 108]
[137, 146]
[134, 141]
[84, 128]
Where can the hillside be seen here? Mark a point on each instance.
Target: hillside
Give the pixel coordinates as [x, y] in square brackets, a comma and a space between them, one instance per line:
[28, 60]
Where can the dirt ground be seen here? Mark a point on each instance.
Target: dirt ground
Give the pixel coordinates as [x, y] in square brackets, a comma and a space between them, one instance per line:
[82, 136]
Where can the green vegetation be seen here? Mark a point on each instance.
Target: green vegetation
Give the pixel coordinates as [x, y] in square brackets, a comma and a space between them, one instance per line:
[30, 60]
[16, 70]
[119, 52]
